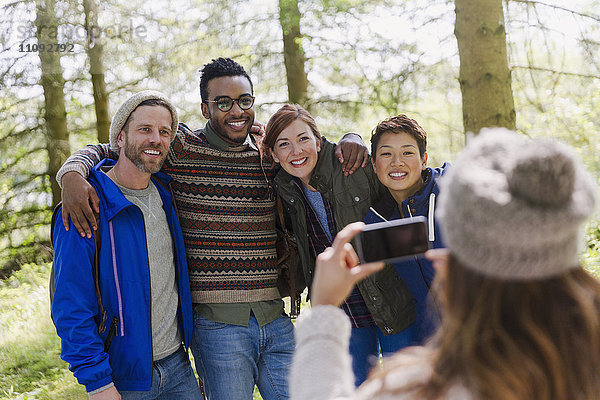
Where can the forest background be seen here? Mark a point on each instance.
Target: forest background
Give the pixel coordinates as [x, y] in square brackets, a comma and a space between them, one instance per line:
[454, 66]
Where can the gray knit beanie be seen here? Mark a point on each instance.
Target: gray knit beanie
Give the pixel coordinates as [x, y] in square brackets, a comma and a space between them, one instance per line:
[130, 105]
[513, 207]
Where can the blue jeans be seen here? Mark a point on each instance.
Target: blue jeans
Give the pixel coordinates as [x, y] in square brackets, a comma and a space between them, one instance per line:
[231, 359]
[366, 344]
[172, 378]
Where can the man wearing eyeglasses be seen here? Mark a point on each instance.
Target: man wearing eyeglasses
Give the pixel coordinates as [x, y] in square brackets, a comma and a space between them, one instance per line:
[242, 337]
[231, 121]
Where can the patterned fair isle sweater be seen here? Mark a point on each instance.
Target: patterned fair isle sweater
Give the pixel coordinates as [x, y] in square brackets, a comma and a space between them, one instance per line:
[226, 213]
[228, 220]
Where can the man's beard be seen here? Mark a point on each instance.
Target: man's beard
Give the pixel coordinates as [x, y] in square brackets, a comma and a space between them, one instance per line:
[134, 154]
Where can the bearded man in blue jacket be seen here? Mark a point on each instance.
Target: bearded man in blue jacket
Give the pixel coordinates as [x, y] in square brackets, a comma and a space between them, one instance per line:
[133, 343]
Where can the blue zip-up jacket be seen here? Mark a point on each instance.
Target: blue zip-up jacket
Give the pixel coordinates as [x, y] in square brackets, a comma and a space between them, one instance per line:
[125, 288]
[418, 272]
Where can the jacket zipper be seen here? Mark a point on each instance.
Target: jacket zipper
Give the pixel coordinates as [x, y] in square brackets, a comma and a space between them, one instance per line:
[116, 277]
[150, 299]
[119, 300]
[178, 278]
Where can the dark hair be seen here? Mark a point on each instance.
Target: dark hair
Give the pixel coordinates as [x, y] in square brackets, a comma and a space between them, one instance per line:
[217, 68]
[519, 339]
[507, 339]
[149, 102]
[281, 120]
[398, 124]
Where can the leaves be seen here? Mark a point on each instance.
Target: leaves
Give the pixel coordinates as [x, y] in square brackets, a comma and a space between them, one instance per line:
[364, 61]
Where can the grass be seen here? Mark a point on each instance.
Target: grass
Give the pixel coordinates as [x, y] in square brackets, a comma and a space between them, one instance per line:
[30, 366]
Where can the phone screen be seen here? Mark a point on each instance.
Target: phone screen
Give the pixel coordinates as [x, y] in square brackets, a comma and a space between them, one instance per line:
[393, 240]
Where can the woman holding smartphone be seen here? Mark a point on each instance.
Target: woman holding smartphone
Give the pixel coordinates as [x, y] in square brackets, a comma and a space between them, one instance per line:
[521, 318]
[319, 200]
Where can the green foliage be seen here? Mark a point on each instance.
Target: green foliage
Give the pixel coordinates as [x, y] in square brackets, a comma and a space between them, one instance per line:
[32, 250]
[25, 202]
[30, 366]
[591, 256]
[555, 76]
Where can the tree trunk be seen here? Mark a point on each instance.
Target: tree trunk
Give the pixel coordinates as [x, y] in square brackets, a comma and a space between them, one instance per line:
[53, 84]
[484, 76]
[94, 52]
[293, 55]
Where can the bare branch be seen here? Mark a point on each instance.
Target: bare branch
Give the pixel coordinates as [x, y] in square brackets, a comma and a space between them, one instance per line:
[37, 241]
[553, 71]
[589, 42]
[26, 211]
[126, 85]
[14, 3]
[30, 178]
[19, 134]
[26, 225]
[14, 62]
[535, 2]
[333, 100]
[19, 158]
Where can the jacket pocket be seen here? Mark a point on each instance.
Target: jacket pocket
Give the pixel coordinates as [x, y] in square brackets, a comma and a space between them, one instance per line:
[112, 332]
[352, 198]
[396, 304]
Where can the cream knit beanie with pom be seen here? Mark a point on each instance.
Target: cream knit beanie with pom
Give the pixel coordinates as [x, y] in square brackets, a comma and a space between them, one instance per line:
[512, 207]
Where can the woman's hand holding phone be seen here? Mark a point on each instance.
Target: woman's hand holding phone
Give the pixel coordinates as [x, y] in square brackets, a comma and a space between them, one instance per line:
[337, 269]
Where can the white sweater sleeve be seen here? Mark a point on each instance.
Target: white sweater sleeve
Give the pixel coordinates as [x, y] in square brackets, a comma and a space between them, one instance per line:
[322, 367]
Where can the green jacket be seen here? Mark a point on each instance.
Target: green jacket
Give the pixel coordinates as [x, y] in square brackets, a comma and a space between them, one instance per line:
[385, 294]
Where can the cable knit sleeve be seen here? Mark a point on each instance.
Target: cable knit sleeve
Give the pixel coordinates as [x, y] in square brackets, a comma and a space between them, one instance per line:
[83, 160]
[322, 368]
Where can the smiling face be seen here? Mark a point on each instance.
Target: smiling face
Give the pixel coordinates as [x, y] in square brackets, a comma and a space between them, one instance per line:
[232, 126]
[398, 164]
[146, 142]
[297, 150]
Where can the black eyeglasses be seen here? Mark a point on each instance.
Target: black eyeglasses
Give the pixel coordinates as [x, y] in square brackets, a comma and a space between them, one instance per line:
[225, 103]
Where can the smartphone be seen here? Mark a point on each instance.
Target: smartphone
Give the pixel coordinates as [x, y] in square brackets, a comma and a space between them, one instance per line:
[393, 240]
